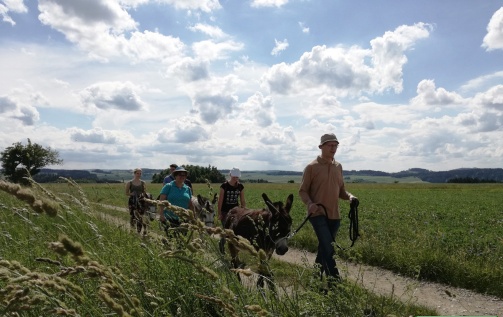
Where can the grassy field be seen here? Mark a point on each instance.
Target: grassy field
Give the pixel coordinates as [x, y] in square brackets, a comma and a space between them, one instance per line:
[448, 233]
[63, 252]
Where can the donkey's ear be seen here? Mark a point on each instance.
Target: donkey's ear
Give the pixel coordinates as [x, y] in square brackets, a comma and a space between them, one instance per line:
[200, 200]
[214, 199]
[289, 203]
[265, 198]
[269, 204]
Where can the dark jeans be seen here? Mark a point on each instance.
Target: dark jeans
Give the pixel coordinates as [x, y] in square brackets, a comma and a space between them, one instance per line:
[326, 231]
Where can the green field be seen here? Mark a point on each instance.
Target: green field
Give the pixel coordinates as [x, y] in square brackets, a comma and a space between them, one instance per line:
[449, 233]
[440, 232]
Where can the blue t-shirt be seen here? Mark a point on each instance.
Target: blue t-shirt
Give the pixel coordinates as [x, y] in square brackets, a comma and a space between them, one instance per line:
[168, 179]
[176, 196]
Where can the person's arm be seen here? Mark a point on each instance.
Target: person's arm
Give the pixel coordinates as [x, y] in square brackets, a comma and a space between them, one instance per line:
[128, 188]
[304, 191]
[220, 201]
[242, 198]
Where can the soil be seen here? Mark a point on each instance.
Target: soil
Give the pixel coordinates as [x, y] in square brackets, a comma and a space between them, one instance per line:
[446, 300]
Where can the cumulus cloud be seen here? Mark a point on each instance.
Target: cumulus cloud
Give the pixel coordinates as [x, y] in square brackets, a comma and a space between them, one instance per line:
[6, 104]
[279, 47]
[104, 29]
[268, 3]
[346, 70]
[203, 5]
[112, 95]
[214, 107]
[212, 31]
[494, 37]
[183, 130]
[25, 113]
[303, 27]
[259, 110]
[212, 50]
[388, 54]
[189, 69]
[492, 99]
[428, 95]
[154, 46]
[96, 135]
[16, 6]
[28, 115]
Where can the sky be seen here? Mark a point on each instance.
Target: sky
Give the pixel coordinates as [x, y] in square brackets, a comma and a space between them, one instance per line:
[253, 84]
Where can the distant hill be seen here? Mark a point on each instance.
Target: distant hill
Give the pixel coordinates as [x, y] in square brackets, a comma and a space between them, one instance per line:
[411, 175]
[278, 176]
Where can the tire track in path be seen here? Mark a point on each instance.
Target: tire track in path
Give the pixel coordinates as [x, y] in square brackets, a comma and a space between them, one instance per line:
[446, 300]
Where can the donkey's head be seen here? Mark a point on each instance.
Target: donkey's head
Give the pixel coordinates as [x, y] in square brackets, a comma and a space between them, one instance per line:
[281, 223]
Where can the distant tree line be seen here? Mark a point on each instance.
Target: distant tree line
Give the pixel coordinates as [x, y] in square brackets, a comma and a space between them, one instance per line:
[471, 180]
[197, 174]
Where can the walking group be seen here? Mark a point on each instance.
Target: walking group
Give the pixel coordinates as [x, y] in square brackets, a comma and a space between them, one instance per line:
[321, 188]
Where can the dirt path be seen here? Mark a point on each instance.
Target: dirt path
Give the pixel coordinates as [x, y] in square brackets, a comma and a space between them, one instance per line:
[446, 300]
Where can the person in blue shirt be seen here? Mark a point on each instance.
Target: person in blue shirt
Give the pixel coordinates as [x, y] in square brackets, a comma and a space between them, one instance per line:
[178, 194]
[169, 178]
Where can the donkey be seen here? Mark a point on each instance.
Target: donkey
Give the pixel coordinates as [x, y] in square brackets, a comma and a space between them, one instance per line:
[141, 212]
[266, 229]
[204, 209]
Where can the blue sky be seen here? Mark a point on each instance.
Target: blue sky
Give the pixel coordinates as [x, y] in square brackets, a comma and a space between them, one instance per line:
[119, 84]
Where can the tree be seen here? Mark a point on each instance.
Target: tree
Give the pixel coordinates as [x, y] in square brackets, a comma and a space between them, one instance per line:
[197, 174]
[20, 161]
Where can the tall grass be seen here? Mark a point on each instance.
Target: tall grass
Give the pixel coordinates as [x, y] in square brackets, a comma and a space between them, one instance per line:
[61, 254]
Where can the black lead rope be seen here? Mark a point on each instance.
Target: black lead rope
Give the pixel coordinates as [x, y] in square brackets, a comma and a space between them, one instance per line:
[353, 222]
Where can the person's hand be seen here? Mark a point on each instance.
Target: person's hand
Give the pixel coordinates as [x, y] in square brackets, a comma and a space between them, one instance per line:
[351, 198]
[311, 208]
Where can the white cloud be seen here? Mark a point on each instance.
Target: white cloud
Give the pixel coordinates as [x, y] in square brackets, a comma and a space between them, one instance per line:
[346, 71]
[259, 110]
[491, 99]
[96, 135]
[203, 5]
[184, 130]
[212, 31]
[268, 3]
[303, 27]
[388, 54]
[494, 37]
[211, 50]
[16, 109]
[112, 95]
[16, 6]
[189, 69]
[279, 47]
[430, 96]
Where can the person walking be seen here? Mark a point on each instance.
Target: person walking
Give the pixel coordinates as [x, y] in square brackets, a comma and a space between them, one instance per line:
[321, 188]
[178, 194]
[169, 178]
[134, 188]
[231, 195]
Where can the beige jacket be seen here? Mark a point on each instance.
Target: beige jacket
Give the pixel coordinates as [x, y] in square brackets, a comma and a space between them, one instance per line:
[322, 183]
